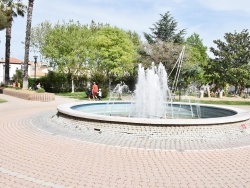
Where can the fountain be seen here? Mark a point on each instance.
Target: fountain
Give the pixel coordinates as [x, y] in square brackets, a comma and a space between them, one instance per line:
[153, 105]
[151, 92]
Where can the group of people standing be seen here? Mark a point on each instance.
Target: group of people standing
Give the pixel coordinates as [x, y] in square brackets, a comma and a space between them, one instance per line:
[94, 92]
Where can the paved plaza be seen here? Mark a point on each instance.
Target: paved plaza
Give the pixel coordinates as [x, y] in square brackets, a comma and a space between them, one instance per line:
[38, 148]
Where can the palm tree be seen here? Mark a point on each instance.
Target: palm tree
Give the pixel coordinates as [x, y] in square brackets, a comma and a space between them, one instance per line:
[3, 18]
[27, 44]
[12, 9]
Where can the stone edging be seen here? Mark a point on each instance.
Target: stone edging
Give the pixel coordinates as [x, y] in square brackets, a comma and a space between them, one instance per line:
[28, 95]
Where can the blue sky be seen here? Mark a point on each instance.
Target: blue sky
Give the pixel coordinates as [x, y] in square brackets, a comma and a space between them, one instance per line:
[211, 19]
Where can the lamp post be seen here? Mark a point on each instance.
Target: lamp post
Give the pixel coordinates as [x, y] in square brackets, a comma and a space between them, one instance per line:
[35, 57]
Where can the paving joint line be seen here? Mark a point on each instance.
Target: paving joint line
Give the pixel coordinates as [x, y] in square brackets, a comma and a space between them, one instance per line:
[31, 179]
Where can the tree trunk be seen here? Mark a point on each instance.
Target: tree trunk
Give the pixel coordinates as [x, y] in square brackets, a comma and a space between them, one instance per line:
[27, 44]
[7, 54]
[73, 86]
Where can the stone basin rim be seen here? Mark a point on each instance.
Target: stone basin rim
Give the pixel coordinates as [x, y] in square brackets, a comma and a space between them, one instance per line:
[240, 116]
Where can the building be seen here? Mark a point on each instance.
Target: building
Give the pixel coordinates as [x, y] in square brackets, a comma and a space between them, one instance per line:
[15, 64]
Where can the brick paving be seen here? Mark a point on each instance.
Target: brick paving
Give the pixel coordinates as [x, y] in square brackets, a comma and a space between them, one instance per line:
[32, 155]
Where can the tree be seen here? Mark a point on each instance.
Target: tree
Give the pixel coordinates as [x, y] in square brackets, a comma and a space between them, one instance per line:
[232, 60]
[18, 77]
[67, 45]
[84, 49]
[3, 18]
[27, 43]
[37, 38]
[195, 61]
[115, 52]
[12, 9]
[165, 30]
[165, 52]
[164, 44]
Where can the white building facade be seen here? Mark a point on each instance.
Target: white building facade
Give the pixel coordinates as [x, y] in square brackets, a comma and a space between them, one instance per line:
[14, 65]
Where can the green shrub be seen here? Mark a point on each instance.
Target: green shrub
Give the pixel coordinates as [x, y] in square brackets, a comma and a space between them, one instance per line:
[40, 90]
[104, 92]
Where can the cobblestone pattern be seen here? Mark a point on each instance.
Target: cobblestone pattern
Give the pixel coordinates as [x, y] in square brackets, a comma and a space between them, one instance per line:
[33, 158]
[178, 138]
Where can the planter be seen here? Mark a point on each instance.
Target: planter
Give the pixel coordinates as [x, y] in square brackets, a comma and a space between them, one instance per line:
[28, 95]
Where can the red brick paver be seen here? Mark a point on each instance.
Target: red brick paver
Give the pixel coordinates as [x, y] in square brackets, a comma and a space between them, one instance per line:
[30, 157]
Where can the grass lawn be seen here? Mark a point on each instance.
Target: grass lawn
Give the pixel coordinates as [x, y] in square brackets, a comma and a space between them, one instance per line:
[227, 101]
[75, 95]
[224, 102]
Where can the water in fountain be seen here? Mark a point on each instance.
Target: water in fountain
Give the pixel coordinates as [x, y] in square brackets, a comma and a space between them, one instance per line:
[151, 92]
[118, 91]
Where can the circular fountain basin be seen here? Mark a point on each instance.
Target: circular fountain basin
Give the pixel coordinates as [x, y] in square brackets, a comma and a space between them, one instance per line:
[100, 111]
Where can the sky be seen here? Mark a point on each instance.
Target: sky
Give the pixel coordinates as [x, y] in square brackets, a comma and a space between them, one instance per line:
[211, 19]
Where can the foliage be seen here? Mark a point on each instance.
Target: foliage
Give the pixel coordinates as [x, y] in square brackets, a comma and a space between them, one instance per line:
[3, 18]
[231, 62]
[12, 9]
[18, 77]
[164, 44]
[165, 52]
[165, 30]
[40, 90]
[2, 101]
[196, 59]
[99, 77]
[68, 46]
[56, 82]
[87, 50]
[114, 52]
[37, 38]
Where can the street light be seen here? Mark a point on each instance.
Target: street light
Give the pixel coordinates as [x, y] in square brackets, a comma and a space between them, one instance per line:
[35, 57]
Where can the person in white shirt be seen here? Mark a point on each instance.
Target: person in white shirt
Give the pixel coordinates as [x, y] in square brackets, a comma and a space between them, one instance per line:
[100, 94]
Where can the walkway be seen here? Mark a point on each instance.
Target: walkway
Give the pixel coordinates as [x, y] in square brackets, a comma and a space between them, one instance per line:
[32, 157]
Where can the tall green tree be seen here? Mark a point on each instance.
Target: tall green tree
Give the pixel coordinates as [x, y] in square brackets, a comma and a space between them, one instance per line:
[37, 38]
[27, 43]
[232, 60]
[164, 44]
[68, 46]
[12, 9]
[166, 30]
[115, 52]
[196, 59]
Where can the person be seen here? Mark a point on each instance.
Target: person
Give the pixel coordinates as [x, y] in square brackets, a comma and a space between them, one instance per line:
[94, 91]
[89, 93]
[100, 94]
[38, 86]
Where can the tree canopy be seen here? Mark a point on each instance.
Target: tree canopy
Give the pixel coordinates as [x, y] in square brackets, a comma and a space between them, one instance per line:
[75, 49]
[11, 9]
[196, 59]
[166, 30]
[231, 64]
[3, 19]
[115, 51]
